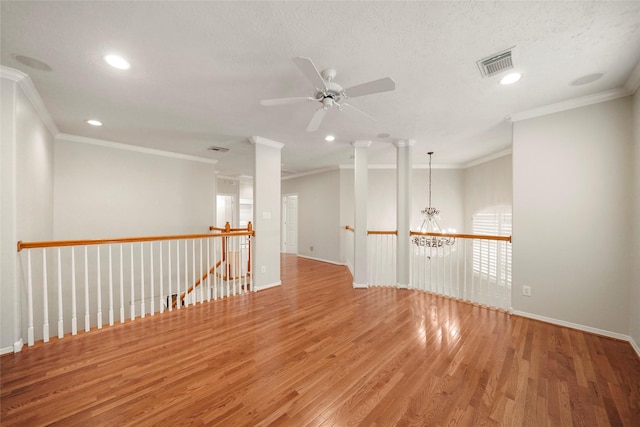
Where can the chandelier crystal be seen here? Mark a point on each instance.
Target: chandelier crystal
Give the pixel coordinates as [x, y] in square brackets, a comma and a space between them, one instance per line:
[430, 224]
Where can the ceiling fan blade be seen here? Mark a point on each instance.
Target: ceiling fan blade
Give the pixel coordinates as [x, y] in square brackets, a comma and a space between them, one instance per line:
[284, 101]
[376, 86]
[358, 110]
[314, 124]
[308, 69]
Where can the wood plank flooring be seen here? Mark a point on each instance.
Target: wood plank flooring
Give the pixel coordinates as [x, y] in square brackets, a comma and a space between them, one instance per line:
[317, 352]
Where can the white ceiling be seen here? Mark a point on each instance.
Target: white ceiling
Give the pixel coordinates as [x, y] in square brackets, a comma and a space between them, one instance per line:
[200, 69]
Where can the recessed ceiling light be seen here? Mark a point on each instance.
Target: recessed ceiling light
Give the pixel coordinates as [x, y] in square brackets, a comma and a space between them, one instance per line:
[117, 62]
[329, 138]
[93, 122]
[510, 78]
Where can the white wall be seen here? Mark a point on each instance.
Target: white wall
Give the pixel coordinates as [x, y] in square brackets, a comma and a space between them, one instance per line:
[485, 185]
[103, 192]
[447, 195]
[319, 214]
[572, 214]
[27, 199]
[634, 300]
[320, 205]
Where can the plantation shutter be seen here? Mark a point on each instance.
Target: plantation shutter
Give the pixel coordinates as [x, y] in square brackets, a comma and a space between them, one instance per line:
[492, 259]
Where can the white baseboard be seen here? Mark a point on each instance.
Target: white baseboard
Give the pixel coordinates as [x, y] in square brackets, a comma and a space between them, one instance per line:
[268, 285]
[321, 260]
[360, 285]
[16, 348]
[635, 346]
[579, 327]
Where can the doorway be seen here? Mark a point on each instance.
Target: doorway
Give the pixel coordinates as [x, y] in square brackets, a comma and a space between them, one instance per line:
[225, 210]
[290, 224]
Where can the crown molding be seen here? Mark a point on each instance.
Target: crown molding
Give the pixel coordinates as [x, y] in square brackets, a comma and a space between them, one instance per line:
[135, 148]
[488, 158]
[633, 82]
[404, 143]
[313, 172]
[26, 84]
[268, 142]
[583, 101]
[359, 144]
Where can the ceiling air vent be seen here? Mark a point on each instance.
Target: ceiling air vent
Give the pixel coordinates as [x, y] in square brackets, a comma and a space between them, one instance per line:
[218, 149]
[496, 64]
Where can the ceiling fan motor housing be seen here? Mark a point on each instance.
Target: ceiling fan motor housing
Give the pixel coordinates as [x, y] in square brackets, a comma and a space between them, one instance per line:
[333, 92]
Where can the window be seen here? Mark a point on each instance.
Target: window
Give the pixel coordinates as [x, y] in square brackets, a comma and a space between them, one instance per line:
[492, 259]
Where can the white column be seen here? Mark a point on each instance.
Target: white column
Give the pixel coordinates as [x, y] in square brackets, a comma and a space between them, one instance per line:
[11, 301]
[403, 214]
[360, 189]
[266, 213]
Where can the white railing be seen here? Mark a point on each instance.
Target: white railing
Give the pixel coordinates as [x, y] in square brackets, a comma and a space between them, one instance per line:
[349, 248]
[475, 268]
[93, 283]
[381, 258]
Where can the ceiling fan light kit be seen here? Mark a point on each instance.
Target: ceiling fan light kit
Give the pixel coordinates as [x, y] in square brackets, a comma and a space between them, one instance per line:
[328, 93]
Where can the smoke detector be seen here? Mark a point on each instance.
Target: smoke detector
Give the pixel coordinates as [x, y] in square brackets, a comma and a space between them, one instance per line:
[497, 63]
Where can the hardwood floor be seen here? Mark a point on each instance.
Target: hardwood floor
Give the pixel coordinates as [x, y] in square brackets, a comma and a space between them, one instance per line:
[317, 352]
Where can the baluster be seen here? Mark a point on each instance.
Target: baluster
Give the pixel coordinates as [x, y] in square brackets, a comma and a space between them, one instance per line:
[465, 292]
[111, 321]
[161, 270]
[178, 301]
[215, 268]
[132, 306]
[458, 268]
[45, 297]
[234, 263]
[226, 265]
[30, 337]
[240, 266]
[60, 310]
[121, 285]
[143, 310]
[202, 278]
[87, 315]
[99, 286]
[74, 313]
[152, 283]
[194, 292]
[249, 258]
[209, 269]
[170, 295]
[186, 275]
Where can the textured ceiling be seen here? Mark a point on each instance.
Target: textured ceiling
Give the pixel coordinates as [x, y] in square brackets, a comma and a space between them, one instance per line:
[200, 69]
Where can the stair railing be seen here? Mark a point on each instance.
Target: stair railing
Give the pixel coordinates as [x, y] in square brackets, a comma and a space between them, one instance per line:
[90, 283]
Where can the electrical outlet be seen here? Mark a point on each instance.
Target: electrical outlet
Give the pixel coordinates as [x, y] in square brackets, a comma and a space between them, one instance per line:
[526, 291]
[263, 269]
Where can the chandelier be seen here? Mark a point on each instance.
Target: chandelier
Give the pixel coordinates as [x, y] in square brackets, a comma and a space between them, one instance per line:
[430, 224]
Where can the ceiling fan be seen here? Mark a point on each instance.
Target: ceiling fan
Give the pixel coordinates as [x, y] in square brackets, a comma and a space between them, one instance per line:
[328, 93]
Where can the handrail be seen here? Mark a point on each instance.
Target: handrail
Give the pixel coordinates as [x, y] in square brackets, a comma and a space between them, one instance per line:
[56, 243]
[227, 228]
[418, 233]
[463, 236]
